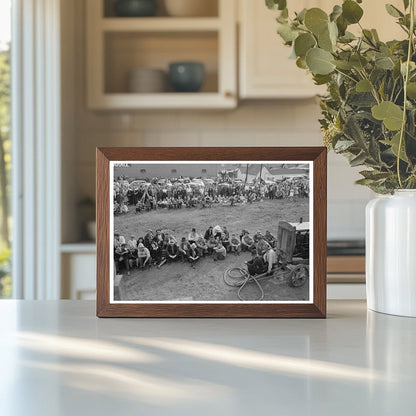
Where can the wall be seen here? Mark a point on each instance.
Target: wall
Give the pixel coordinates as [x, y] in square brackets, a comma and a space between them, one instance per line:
[254, 123]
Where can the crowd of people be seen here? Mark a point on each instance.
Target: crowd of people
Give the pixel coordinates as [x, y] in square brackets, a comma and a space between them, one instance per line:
[158, 193]
[157, 248]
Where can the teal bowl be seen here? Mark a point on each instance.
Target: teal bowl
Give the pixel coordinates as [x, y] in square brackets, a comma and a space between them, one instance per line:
[135, 8]
[186, 76]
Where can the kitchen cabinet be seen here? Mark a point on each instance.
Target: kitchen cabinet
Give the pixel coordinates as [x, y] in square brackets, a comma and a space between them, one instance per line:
[78, 271]
[265, 70]
[118, 45]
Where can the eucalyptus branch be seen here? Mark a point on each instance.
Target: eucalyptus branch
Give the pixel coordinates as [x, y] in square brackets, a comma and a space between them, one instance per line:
[346, 75]
[406, 80]
[373, 88]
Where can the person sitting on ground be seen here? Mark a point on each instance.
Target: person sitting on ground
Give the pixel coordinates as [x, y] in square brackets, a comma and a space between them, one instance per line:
[172, 250]
[257, 236]
[256, 265]
[270, 258]
[219, 252]
[122, 257]
[118, 240]
[184, 249]
[247, 243]
[208, 233]
[217, 231]
[270, 239]
[211, 244]
[235, 245]
[159, 237]
[156, 252]
[262, 245]
[139, 207]
[132, 247]
[148, 239]
[143, 256]
[192, 254]
[193, 236]
[225, 239]
[201, 246]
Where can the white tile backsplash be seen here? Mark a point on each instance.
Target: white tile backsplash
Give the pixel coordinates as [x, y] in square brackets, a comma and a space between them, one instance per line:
[258, 123]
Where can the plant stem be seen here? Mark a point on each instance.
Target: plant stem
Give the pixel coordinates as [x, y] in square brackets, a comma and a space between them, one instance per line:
[406, 80]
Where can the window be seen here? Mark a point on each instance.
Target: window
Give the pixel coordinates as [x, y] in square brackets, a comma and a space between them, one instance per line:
[204, 171]
[142, 170]
[173, 171]
[5, 145]
[5, 20]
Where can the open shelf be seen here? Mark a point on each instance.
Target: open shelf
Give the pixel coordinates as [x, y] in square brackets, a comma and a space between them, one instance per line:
[160, 24]
[116, 46]
[126, 51]
[211, 9]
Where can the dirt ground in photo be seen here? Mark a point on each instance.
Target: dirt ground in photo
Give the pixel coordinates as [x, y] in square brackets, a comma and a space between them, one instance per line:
[179, 281]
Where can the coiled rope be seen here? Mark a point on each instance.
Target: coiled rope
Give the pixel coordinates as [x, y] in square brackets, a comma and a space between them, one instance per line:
[238, 277]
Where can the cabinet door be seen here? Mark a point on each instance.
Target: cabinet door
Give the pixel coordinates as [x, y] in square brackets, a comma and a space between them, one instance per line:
[265, 68]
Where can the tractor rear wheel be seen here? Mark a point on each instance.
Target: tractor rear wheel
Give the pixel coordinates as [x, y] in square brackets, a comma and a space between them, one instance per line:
[298, 276]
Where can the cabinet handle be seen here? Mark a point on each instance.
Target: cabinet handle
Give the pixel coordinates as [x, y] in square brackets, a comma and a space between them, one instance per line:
[229, 94]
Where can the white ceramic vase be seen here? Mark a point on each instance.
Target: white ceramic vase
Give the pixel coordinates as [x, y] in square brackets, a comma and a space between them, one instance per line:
[391, 253]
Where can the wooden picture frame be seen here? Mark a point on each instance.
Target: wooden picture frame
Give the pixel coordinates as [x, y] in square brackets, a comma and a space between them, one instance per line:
[313, 307]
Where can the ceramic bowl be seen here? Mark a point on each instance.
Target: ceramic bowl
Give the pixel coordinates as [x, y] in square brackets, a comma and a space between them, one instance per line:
[186, 76]
[147, 80]
[135, 8]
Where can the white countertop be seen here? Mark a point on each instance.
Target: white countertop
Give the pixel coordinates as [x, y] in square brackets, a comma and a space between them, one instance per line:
[57, 358]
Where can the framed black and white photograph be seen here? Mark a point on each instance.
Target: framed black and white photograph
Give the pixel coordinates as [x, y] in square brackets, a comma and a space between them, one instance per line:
[224, 232]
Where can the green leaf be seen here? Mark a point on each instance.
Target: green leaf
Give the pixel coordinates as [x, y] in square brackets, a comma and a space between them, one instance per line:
[347, 37]
[287, 33]
[344, 65]
[343, 145]
[359, 160]
[365, 182]
[384, 62]
[393, 11]
[276, 4]
[321, 79]
[358, 61]
[301, 15]
[406, 4]
[342, 25]
[388, 112]
[316, 20]
[374, 175]
[301, 63]
[394, 145]
[319, 61]
[353, 131]
[375, 35]
[336, 12]
[351, 11]
[303, 43]
[325, 42]
[411, 90]
[363, 86]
